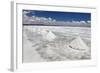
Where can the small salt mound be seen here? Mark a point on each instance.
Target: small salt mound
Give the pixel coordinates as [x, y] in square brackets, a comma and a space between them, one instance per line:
[50, 36]
[78, 44]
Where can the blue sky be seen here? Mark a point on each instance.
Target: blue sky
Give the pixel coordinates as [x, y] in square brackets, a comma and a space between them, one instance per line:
[60, 16]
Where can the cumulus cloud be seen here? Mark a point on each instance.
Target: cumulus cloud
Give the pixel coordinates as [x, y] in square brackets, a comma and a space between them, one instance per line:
[25, 12]
[89, 22]
[50, 21]
[83, 22]
[79, 22]
[75, 22]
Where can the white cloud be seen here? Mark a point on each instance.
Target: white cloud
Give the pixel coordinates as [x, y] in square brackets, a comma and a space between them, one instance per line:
[47, 21]
[79, 22]
[50, 19]
[89, 22]
[75, 22]
[83, 22]
[25, 12]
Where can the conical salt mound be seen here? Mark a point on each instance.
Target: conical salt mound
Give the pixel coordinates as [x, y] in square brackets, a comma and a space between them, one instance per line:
[50, 36]
[78, 44]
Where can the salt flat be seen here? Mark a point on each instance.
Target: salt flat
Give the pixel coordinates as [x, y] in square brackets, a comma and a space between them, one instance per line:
[43, 43]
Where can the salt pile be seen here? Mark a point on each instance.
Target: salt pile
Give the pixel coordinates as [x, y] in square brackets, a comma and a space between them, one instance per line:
[50, 36]
[78, 44]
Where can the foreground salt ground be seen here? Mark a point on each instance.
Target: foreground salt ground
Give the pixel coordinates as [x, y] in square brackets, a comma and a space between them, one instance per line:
[56, 43]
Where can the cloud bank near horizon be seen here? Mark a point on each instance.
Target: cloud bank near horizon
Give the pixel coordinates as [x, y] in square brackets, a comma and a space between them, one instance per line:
[33, 19]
